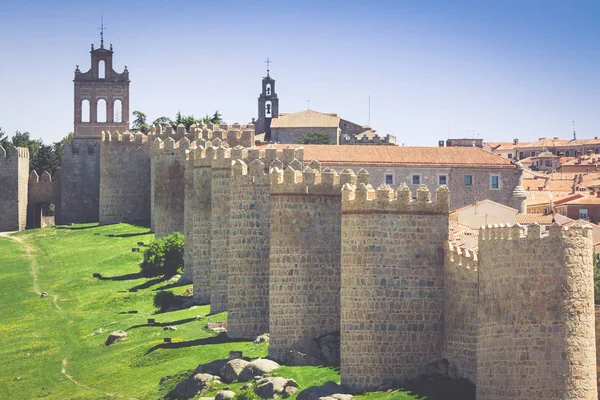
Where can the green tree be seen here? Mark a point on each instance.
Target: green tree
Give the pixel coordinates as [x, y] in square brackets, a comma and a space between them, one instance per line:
[316, 138]
[163, 256]
[163, 121]
[139, 122]
[3, 139]
[45, 160]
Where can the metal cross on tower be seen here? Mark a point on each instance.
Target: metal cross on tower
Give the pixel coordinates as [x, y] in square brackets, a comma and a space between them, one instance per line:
[101, 31]
[268, 62]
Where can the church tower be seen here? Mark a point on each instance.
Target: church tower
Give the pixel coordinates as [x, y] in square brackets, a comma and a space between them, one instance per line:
[268, 106]
[101, 96]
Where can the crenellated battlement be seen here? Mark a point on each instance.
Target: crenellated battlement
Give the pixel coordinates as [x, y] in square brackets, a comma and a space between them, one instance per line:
[12, 152]
[125, 138]
[293, 180]
[533, 232]
[461, 259]
[170, 147]
[44, 178]
[361, 197]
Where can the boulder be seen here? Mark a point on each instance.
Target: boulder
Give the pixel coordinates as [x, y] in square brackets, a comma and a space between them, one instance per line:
[288, 391]
[170, 328]
[317, 392]
[262, 338]
[225, 395]
[213, 367]
[116, 336]
[272, 387]
[258, 367]
[197, 384]
[337, 396]
[246, 386]
[232, 370]
[295, 358]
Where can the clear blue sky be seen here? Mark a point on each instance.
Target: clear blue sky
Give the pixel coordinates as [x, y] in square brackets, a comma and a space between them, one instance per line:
[501, 69]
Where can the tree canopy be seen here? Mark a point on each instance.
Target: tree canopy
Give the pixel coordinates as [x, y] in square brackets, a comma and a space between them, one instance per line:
[316, 138]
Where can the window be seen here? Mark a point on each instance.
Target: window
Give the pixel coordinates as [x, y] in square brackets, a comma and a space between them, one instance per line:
[533, 154]
[389, 179]
[85, 111]
[495, 182]
[509, 155]
[548, 163]
[268, 110]
[567, 153]
[117, 111]
[583, 213]
[416, 179]
[101, 111]
[521, 155]
[442, 180]
[101, 69]
[596, 151]
[468, 180]
[268, 89]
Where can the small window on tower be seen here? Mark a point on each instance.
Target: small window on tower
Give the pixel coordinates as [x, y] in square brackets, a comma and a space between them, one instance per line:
[268, 89]
[389, 179]
[101, 69]
[268, 110]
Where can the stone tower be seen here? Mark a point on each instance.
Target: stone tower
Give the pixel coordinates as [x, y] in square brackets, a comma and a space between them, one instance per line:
[101, 96]
[268, 107]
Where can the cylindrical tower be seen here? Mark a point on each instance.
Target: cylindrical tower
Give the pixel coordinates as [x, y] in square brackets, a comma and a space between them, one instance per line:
[392, 283]
[304, 286]
[536, 337]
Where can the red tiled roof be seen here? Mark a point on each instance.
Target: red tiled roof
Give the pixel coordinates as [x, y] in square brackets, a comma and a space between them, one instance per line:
[541, 219]
[402, 155]
[585, 200]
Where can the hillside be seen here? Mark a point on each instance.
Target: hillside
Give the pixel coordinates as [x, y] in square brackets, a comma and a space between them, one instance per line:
[53, 346]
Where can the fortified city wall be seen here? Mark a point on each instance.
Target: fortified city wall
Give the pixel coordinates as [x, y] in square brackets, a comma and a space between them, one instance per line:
[392, 290]
[14, 175]
[460, 312]
[536, 337]
[249, 238]
[42, 190]
[80, 188]
[124, 177]
[304, 262]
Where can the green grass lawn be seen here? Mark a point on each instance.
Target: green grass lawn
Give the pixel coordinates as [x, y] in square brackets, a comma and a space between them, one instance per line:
[50, 346]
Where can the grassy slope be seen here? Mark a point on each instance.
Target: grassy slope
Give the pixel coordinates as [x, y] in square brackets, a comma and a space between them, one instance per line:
[40, 335]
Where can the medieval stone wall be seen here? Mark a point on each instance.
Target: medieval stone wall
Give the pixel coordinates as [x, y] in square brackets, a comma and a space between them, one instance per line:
[392, 283]
[304, 263]
[14, 174]
[124, 178]
[80, 187]
[460, 312]
[42, 190]
[536, 336]
[168, 185]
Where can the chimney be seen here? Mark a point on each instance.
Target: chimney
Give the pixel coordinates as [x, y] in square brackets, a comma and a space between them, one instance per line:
[440, 143]
[515, 141]
[555, 137]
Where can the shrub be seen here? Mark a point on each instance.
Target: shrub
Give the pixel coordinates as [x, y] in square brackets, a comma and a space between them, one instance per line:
[246, 394]
[163, 256]
[164, 300]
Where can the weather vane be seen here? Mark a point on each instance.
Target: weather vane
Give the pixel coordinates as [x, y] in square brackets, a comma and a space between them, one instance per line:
[268, 62]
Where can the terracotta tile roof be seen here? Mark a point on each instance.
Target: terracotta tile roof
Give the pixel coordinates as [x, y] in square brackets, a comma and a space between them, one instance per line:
[534, 218]
[585, 200]
[543, 143]
[306, 119]
[402, 155]
[463, 235]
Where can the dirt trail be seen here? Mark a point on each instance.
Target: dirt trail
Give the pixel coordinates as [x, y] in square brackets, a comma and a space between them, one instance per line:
[64, 372]
[33, 270]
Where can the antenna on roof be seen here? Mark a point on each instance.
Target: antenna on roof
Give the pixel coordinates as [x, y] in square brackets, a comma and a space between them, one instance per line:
[574, 134]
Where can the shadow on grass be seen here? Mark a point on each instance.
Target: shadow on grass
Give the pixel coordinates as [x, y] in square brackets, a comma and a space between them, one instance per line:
[219, 339]
[148, 283]
[162, 324]
[75, 228]
[126, 235]
[126, 277]
[145, 223]
[171, 285]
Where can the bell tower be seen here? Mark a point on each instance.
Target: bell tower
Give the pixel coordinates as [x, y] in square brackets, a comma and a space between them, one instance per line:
[101, 95]
[268, 105]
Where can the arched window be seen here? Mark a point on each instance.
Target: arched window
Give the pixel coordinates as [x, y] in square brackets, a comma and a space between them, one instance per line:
[85, 111]
[596, 151]
[533, 154]
[101, 69]
[268, 110]
[268, 89]
[117, 111]
[576, 153]
[101, 111]
[567, 153]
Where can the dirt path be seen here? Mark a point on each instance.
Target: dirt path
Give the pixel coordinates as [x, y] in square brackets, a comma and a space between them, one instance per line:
[64, 372]
[33, 270]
